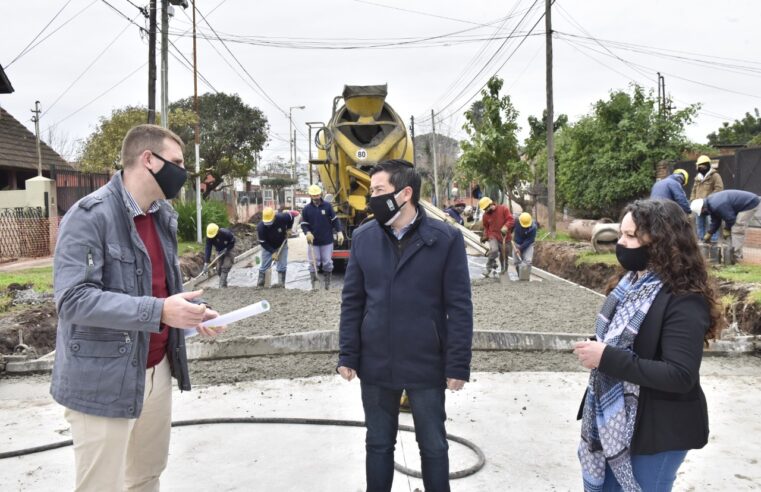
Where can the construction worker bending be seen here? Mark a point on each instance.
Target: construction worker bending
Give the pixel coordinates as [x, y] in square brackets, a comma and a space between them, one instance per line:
[525, 235]
[272, 232]
[707, 182]
[455, 211]
[318, 221]
[733, 207]
[223, 241]
[672, 188]
[498, 224]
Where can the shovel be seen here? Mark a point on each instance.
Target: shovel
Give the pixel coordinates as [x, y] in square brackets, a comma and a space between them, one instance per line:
[314, 264]
[208, 268]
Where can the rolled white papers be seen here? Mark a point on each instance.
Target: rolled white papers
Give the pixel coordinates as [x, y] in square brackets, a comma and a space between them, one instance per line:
[239, 314]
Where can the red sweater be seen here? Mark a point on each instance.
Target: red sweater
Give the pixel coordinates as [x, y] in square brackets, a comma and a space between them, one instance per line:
[146, 229]
[494, 221]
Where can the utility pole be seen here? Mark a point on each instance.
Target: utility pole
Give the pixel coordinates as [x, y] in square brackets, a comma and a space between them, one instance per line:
[435, 168]
[412, 137]
[292, 139]
[295, 159]
[152, 63]
[36, 119]
[550, 120]
[197, 131]
[164, 63]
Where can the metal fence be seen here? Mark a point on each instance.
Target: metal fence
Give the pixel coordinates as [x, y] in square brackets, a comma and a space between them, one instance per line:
[73, 185]
[26, 232]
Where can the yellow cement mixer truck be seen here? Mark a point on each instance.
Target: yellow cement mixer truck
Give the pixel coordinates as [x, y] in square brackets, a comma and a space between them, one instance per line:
[361, 132]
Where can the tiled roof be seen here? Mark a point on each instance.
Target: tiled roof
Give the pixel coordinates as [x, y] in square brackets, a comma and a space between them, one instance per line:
[18, 147]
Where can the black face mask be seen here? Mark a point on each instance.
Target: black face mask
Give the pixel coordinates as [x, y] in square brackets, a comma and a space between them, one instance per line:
[633, 259]
[703, 169]
[385, 208]
[316, 201]
[170, 178]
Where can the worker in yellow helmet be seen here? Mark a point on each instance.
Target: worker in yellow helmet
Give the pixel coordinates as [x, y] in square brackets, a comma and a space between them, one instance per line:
[223, 240]
[523, 239]
[498, 225]
[272, 232]
[672, 188]
[318, 221]
[707, 182]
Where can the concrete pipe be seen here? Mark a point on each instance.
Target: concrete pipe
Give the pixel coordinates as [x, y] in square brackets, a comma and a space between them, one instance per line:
[605, 237]
[581, 229]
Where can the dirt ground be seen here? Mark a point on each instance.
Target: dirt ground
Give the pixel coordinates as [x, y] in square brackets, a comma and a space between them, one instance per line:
[38, 325]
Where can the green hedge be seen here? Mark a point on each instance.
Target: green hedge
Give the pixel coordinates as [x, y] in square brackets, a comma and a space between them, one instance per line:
[211, 211]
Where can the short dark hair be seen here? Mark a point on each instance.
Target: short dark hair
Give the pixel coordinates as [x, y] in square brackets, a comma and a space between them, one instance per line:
[401, 174]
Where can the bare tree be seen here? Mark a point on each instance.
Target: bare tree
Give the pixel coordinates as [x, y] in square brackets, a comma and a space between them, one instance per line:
[447, 153]
[66, 147]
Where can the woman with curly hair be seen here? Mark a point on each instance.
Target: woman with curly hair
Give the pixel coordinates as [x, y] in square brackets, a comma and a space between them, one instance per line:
[644, 407]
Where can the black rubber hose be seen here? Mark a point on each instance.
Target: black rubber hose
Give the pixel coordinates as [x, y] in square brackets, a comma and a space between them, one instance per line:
[291, 420]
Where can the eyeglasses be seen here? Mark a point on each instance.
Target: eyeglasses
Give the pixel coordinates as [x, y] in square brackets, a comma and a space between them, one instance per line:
[166, 161]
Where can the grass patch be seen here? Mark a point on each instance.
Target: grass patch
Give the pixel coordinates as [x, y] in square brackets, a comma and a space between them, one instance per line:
[755, 297]
[40, 278]
[739, 273]
[560, 236]
[189, 247]
[728, 300]
[588, 257]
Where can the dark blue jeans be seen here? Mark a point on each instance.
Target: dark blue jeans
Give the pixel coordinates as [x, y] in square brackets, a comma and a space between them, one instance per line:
[654, 472]
[382, 420]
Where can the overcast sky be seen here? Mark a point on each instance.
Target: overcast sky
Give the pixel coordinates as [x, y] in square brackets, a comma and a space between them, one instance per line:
[434, 54]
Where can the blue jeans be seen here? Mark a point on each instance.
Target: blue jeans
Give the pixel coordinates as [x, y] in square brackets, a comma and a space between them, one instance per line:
[382, 420]
[654, 472]
[703, 222]
[282, 261]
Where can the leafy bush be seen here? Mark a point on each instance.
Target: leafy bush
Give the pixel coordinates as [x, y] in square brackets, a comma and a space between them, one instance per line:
[211, 211]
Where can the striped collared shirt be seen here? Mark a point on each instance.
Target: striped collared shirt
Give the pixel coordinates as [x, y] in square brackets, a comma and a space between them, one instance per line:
[135, 208]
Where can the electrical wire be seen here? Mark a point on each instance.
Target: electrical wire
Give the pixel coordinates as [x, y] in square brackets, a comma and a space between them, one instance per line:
[39, 34]
[87, 69]
[27, 50]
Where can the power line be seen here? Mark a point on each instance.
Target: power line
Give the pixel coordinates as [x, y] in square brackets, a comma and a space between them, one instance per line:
[515, 50]
[27, 50]
[427, 14]
[87, 69]
[39, 33]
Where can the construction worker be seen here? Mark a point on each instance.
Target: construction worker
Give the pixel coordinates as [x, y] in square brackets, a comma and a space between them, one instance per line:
[525, 235]
[672, 188]
[707, 182]
[498, 224]
[272, 232]
[455, 211]
[733, 207]
[224, 241]
[318, 221]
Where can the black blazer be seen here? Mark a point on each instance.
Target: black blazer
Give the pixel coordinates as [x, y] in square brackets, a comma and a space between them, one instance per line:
[672, 412]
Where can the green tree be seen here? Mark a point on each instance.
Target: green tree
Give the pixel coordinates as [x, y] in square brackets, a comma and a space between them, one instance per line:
[231, 133]
[491, 154]
[740, 132]
[101, 150]
[608, 157]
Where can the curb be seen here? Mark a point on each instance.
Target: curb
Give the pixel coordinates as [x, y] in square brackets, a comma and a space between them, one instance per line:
[326, 341]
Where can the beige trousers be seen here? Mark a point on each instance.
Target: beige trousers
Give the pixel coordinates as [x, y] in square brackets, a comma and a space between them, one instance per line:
[114, 454]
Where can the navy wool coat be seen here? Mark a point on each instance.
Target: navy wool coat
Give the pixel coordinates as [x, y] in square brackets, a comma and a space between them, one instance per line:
[406, 314]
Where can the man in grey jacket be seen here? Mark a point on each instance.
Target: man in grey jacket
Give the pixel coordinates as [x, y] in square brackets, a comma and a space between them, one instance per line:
[122, 315]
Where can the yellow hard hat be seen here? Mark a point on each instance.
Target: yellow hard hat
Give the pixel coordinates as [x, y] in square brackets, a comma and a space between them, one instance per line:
[268, 215]
[525, 219]
[484, 203]
[703, 159]
[212, 230]
[314, 190]
[683, 173]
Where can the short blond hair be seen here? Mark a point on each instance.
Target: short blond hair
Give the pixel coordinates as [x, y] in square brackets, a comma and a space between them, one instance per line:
[146, 137]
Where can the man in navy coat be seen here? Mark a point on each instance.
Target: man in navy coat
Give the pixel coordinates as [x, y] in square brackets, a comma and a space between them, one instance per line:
[406, 323]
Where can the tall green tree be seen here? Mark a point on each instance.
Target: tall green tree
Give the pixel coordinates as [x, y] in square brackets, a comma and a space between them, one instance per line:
[608, 157]
[101, 150]
[231, 133]
[739, 132]
[491, 154]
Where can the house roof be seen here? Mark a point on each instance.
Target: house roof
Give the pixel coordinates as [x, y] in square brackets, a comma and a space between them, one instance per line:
[18, 147]
[5, 84]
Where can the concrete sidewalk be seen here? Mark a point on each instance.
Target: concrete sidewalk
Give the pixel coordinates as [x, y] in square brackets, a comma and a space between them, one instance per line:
[524, 422]
[26, 263]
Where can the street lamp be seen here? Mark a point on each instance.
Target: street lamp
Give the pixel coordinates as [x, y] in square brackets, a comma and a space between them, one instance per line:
[292, 138]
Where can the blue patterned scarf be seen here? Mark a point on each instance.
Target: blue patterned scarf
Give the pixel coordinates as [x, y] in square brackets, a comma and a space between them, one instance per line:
[610, 408]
